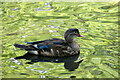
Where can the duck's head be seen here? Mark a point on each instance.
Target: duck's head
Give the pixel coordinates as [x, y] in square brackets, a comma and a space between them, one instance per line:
[71, 33]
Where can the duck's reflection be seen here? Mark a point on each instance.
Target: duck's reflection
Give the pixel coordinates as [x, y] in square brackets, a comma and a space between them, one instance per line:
[69, 62]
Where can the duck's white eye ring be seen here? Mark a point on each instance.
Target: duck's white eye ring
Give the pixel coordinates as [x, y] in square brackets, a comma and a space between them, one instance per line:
[75, 32]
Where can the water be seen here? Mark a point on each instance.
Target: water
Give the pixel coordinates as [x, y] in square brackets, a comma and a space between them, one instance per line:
[24, 22]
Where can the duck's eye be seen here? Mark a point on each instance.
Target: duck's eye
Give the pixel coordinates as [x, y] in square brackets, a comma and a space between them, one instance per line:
[75, 32]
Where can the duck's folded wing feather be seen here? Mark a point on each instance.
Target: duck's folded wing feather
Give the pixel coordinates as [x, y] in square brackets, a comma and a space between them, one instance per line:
[48, 44]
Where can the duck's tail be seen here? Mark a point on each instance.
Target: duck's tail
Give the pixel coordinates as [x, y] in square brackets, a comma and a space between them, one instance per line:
[25, 47]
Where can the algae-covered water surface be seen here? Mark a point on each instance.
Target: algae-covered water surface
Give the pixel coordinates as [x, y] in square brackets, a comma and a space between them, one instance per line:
[27, 22]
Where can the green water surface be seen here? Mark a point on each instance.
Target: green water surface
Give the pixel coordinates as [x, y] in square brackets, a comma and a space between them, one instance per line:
[27, 21]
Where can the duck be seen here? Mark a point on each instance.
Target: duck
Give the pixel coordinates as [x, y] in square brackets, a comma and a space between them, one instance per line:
[54, 47]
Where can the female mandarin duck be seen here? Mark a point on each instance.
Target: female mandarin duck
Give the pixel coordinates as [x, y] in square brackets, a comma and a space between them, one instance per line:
[55, 47]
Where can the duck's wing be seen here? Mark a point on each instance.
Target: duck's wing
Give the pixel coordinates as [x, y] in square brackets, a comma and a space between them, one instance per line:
[47, 43]
[42, 45]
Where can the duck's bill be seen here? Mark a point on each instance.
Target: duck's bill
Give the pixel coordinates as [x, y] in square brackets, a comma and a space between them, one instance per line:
[80, 35]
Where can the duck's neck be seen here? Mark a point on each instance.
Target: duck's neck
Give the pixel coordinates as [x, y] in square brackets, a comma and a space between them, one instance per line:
[73, 44]
[69, 40]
